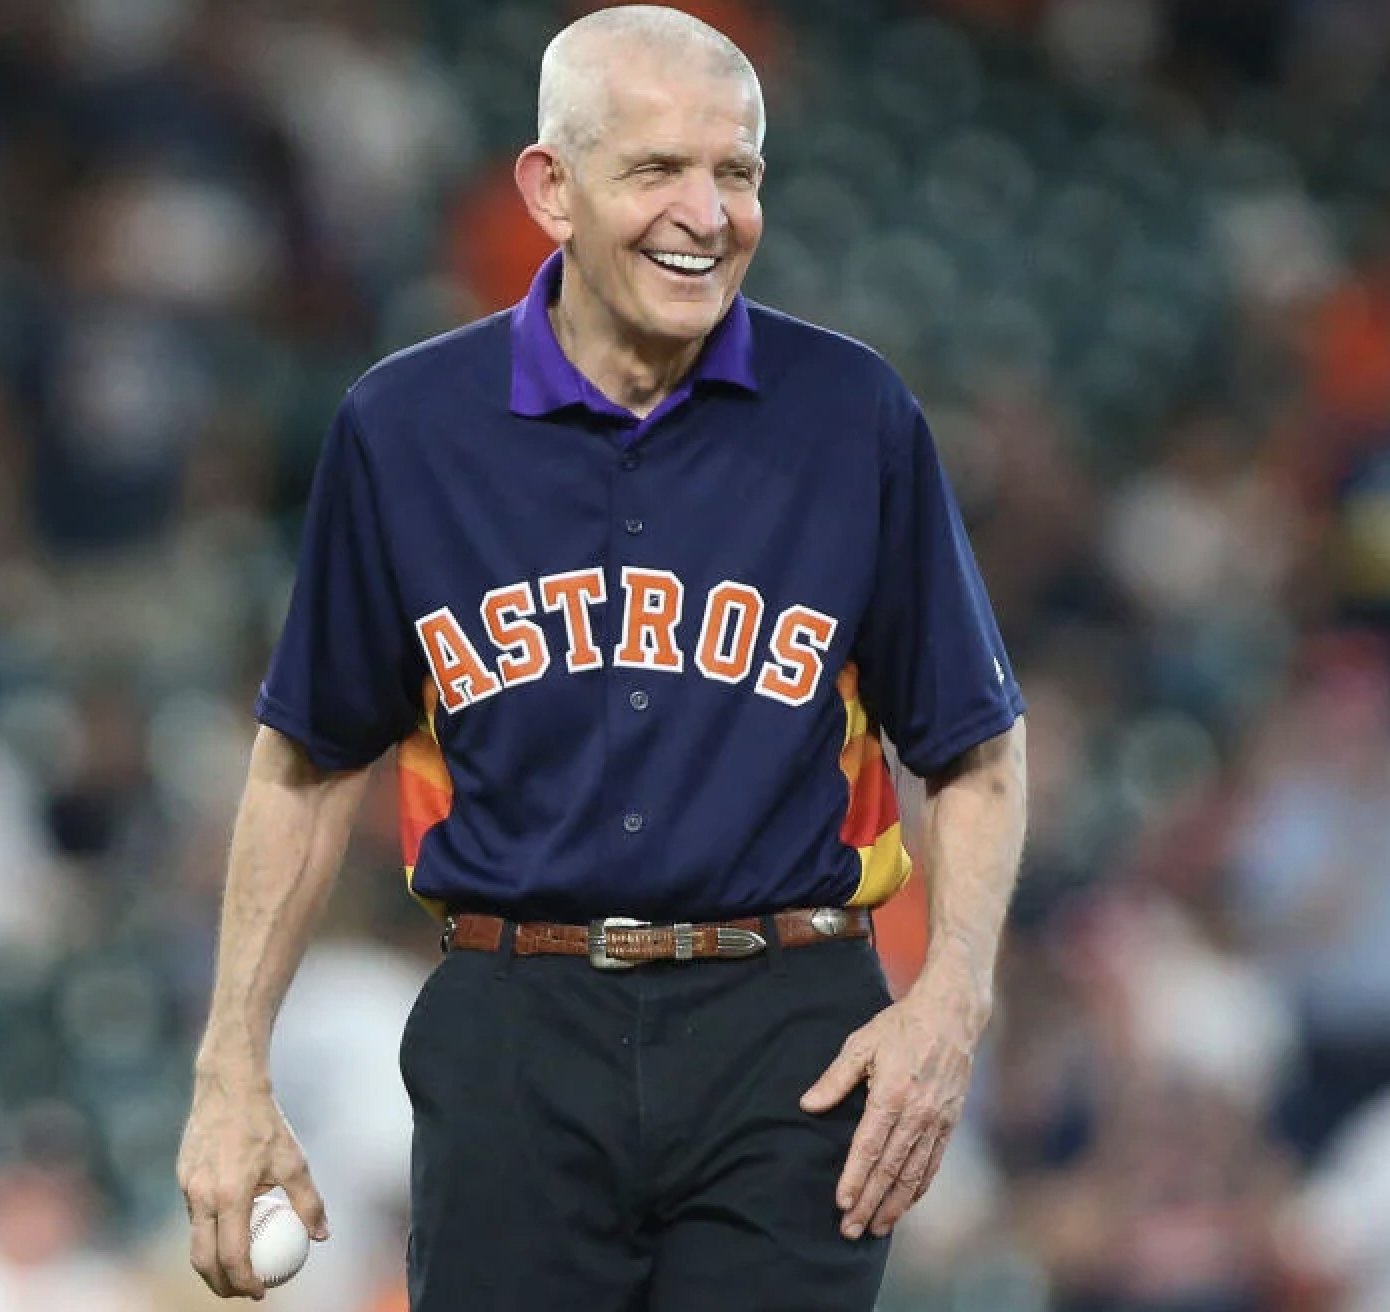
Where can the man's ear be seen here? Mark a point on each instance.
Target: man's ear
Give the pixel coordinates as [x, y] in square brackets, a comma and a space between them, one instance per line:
[540, 177]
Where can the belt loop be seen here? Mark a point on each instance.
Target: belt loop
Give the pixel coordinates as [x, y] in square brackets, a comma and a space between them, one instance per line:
[776, 960]
[505, 948]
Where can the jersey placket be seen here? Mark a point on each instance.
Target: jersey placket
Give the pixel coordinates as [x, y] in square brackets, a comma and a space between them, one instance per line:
[635, 694]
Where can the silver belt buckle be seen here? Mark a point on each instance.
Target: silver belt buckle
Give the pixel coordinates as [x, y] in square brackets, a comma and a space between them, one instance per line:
[830, 922]
[598, 942]
[730, 942]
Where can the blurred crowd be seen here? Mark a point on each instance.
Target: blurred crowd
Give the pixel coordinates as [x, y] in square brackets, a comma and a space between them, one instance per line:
[1134, 256]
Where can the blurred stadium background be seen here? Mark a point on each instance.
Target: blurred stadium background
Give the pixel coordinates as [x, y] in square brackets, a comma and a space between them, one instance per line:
[1134, 255]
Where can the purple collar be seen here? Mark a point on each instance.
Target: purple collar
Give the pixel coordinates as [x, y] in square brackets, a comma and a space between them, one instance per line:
[544, 379]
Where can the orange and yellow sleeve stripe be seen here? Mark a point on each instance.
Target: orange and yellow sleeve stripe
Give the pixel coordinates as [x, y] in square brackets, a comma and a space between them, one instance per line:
[871, 825]
[424, 788]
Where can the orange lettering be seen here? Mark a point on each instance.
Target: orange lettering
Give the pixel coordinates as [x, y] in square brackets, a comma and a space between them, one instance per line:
[459, 672]
[650, 616]
[571, 593]
[526, 655]
[733, 616]
[795, 668]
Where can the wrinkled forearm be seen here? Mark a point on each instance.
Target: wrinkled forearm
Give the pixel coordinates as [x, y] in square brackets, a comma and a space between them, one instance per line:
[291, 831]
[970, 841]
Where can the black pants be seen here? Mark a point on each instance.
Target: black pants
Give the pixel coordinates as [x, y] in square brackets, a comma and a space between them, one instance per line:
[592, 1141]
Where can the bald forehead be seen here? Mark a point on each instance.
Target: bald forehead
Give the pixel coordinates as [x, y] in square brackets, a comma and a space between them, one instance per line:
[609, 48]
[589, 66]
[626, 76]
[654, 28]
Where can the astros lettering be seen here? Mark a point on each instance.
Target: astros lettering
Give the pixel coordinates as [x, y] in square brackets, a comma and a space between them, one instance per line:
[653, 604]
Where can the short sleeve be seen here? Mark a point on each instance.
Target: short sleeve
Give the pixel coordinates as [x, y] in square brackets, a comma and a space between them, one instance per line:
[345, 677]
[932, 666]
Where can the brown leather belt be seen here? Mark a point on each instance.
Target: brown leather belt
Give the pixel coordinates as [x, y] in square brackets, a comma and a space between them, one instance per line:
[618, 942]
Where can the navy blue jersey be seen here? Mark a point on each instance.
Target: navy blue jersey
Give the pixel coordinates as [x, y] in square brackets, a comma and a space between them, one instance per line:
[638, 666]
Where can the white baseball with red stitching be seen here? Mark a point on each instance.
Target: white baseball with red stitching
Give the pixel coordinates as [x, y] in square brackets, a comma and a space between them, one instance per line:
[279, 1241]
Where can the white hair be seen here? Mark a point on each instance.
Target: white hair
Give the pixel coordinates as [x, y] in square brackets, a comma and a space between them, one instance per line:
[569, 112]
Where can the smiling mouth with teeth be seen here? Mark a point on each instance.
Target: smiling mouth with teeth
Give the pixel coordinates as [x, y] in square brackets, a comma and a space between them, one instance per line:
[691, 266]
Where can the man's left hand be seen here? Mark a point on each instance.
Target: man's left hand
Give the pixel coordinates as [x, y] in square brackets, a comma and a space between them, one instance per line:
[916, 1056]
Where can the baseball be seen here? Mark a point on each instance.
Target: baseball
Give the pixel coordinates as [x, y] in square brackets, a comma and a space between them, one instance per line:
[279, 1241]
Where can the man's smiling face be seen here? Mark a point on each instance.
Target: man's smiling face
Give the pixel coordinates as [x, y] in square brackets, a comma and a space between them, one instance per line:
[664, 205]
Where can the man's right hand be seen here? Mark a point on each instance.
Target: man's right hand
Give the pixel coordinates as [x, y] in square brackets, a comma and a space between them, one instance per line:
[236, 1145]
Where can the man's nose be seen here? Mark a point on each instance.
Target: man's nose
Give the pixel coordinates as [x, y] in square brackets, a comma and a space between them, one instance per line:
[700, 207]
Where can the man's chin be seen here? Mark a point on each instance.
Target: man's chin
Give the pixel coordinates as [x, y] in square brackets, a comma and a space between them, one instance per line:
[684, 324]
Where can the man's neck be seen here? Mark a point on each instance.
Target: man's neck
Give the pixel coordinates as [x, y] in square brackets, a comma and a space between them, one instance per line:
[637, 376]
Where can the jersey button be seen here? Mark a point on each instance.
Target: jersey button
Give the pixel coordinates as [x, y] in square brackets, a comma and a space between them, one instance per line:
[633, 526]
[631, 460]
[638, 700]
[633, 821]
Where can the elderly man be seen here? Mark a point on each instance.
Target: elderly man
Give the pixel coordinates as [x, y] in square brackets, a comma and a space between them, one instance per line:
[631, 576]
